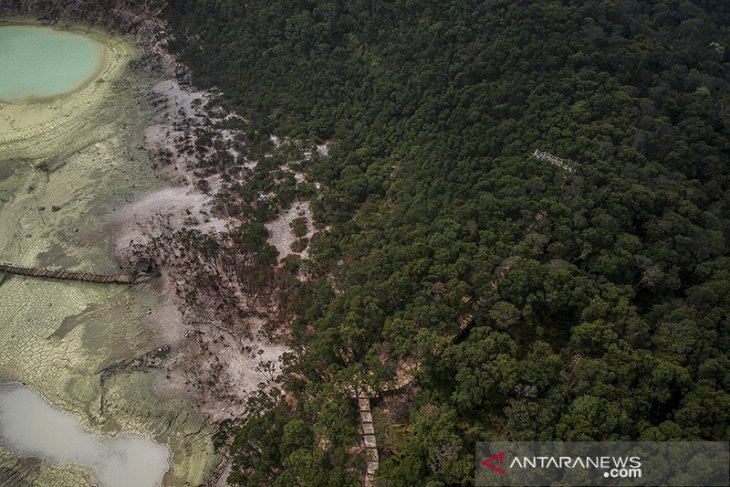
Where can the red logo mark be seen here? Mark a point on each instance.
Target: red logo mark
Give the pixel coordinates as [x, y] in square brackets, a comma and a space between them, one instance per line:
[500, 458]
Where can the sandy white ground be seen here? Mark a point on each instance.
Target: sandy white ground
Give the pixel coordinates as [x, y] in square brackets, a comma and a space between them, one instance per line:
[218, 364]
[281, 234]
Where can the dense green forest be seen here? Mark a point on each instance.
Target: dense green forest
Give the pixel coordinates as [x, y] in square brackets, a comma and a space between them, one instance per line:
[603, 292]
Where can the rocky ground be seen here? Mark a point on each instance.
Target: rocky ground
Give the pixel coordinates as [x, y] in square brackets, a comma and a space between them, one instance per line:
[222, 335]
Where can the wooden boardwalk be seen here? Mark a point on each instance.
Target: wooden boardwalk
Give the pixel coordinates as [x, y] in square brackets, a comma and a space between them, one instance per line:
[67, 275]
[367, 429]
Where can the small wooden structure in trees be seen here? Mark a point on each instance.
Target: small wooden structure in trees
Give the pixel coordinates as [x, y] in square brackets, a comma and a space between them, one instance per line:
[565, 164]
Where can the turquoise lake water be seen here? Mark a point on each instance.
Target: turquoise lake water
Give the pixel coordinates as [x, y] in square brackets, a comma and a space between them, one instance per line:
[42, 62]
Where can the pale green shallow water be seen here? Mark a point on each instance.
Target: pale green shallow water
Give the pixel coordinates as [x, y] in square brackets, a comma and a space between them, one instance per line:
[29, 425]
[39, 63]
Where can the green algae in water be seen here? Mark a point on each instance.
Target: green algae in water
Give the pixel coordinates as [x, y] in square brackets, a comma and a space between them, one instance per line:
[38, 62]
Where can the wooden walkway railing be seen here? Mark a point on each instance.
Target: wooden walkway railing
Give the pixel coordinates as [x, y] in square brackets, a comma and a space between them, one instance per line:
[67, 275]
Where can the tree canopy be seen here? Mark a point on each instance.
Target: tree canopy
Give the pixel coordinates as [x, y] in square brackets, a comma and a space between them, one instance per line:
[603, 292]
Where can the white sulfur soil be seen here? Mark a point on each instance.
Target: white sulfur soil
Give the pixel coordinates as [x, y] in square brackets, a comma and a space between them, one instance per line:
[281, 234]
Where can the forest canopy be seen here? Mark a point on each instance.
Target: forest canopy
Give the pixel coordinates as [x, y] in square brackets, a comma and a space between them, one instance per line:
[599, 296]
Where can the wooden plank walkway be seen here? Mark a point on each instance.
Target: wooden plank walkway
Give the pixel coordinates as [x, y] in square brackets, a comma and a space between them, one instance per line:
[368, 434]
[67, 275]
